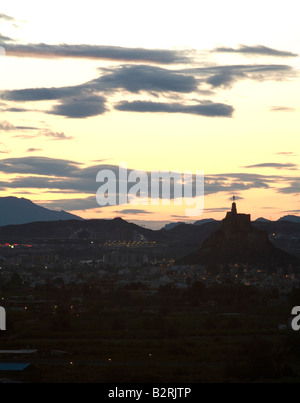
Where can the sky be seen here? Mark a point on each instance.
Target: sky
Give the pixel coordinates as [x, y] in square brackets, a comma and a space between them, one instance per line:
[160, 86]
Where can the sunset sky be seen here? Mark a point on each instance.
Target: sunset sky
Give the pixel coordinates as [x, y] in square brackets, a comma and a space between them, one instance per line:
[161, 85]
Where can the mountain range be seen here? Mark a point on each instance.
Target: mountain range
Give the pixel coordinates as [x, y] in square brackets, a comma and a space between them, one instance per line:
[14, 211]
[29, 222]
[290, 218]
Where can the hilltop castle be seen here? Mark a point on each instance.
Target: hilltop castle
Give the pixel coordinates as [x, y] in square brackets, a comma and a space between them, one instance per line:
[235, 222]
[237, 241]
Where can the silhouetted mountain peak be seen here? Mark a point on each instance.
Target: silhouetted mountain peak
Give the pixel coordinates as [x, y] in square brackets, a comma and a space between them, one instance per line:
[292, 218]
[14, 211]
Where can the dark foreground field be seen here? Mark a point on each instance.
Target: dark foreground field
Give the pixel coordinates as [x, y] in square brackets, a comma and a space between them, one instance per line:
[228, 333]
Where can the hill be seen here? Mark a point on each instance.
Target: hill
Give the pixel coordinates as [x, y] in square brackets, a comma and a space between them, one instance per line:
[103, 229]
[238, 241]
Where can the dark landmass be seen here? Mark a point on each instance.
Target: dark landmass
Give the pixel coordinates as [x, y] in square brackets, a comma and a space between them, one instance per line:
[14, 210]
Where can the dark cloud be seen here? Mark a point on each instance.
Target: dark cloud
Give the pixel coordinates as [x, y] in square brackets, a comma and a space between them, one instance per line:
[82, 101]
[256, 50]
[136, 78]
[39, 166]
[51, 183]
[58, 175]
[80, 107]
[276, 165]
[13, 109]
[204, 109]
[40, 94]
[86, 99]
[130, 78]
[293, 188]
[26, 128]
[72, 175]
[224, 79]
[98, 52]
[235, 182]
[5, 108]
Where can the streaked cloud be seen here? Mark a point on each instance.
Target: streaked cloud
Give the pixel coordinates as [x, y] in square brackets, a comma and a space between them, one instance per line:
[40, 94]
[33, 150]
[293, 188]
[256, 50]
[134, 211]
[92, 98]
[226, 76]
[275, 165]
[54, 135]
[288, 153]
[113, 53]
[4, 39]
[282, 109]
[7, 126]
[84, 203]
[39, 166]
[58, 175]
[296, 211]
[205, 108]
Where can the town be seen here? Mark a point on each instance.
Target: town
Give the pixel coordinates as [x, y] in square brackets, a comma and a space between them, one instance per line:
[140, 305]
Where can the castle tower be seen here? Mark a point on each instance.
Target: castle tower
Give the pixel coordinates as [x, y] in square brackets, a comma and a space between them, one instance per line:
[233, 207]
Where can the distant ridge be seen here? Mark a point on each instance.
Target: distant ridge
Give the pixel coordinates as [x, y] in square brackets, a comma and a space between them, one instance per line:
[261, 219]
[101, 229]
[204, 221]
[291, 218]
[14, 211]
[172, 225]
